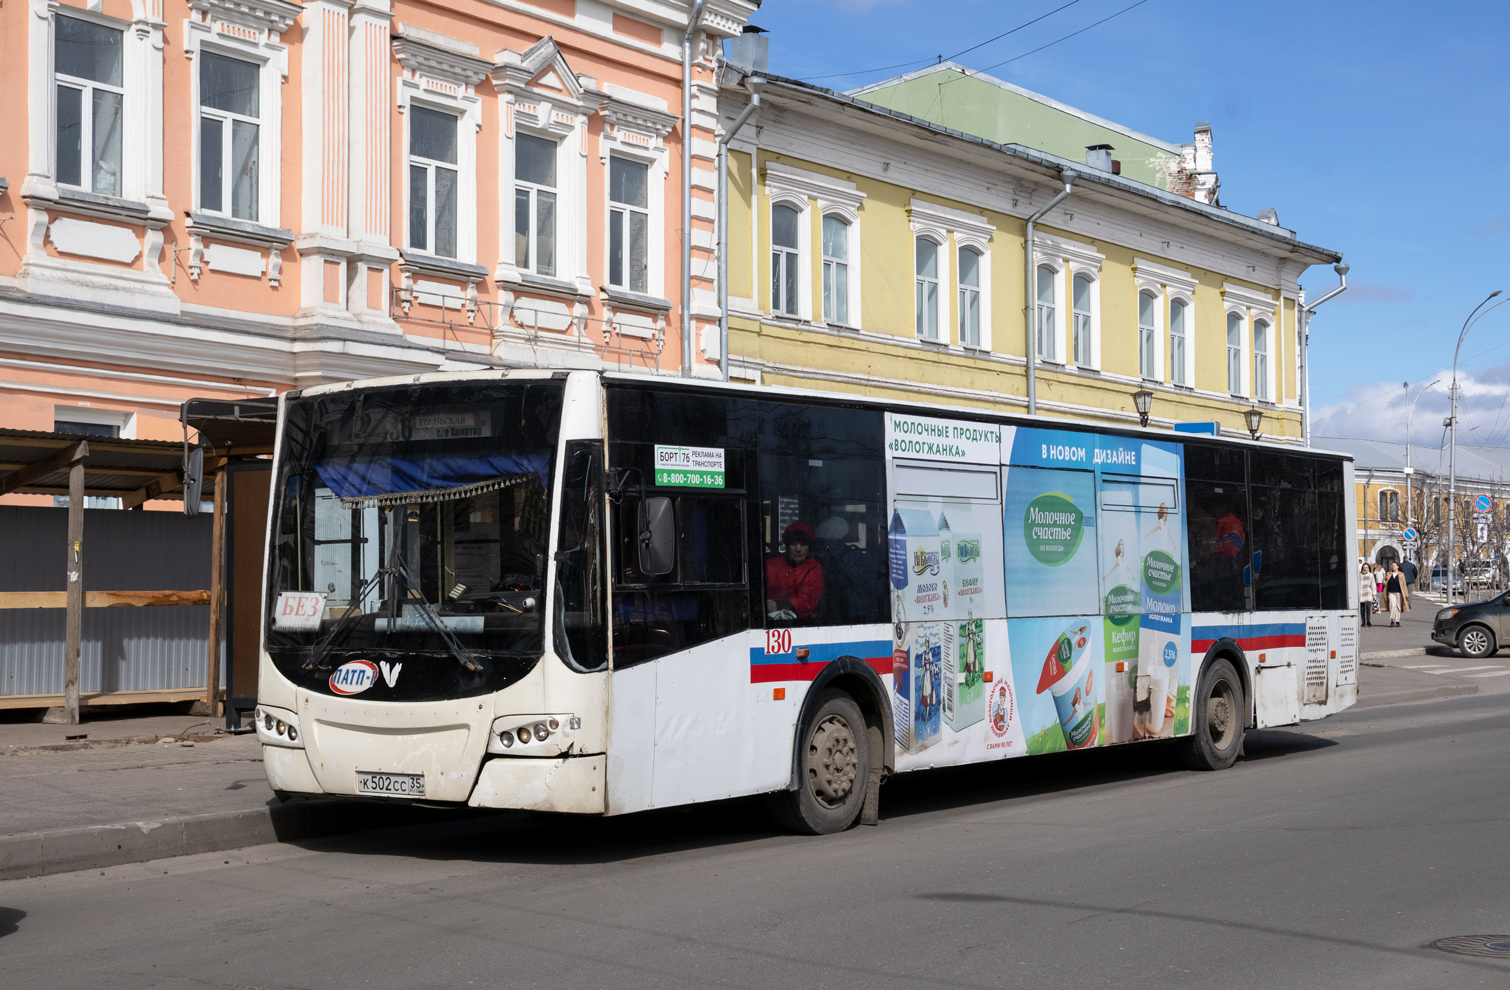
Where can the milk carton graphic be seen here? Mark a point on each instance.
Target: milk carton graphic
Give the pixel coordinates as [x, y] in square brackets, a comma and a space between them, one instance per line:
[964, 672]
[964, 589]
[917, 566]
[1070, 676]
[1158, 673]
[1120, 630]
[917, 676]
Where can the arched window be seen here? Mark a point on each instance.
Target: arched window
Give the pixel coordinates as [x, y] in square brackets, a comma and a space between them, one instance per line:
[1177, 309]
[783, 260]
[1389, 506]
[1047, 338]
[1148, 304]
[927, 289]
[1234, 354]
[969, 297]
[1081, 302]
[1261, 359]
[835, 270]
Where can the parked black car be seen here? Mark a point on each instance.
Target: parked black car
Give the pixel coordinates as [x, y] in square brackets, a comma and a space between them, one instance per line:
[1476, 629]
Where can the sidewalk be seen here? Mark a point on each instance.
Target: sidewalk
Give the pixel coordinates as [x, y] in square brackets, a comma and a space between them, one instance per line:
[133, 792]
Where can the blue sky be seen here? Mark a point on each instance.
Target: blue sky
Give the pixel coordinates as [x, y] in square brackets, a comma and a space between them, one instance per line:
[1376, 129]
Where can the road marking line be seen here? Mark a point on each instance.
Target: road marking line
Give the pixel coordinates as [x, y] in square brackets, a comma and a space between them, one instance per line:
[1485, 666]
[1427, 666]
[1492, 673]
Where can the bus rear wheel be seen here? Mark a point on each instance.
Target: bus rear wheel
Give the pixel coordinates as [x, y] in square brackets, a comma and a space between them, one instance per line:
[1217, 721]
[833, 769]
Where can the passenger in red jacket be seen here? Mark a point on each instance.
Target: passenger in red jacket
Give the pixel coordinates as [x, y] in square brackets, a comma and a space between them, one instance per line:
[794, 580]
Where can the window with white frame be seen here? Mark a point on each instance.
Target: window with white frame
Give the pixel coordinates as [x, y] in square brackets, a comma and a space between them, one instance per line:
[835, 269]
[1048, 337]
[1261, 360]
[969, 297]
[1178, 316]
[432, 181]
[628, 224]
[926, 288]
[1148, 362]
[230, 163]
[535, 204]
[1389, 506]
[784, 259]
[1080, 301]
[1234, 354]
[87, 71]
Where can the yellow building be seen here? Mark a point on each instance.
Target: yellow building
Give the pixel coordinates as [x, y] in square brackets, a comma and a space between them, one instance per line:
[873, 252]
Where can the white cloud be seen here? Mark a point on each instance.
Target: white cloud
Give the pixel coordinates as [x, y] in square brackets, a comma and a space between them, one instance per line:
[1378, 411]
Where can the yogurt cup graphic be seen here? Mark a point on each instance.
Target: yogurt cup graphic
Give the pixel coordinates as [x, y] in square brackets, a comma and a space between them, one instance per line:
[1068, 675]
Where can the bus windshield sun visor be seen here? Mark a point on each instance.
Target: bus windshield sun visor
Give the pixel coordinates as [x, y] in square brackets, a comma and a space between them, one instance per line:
[409, 479]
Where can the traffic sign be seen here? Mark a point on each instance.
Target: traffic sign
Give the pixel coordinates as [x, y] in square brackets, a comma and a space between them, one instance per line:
[1410, 534]
[1481, 503]
[1409, 546]
[1483, 532]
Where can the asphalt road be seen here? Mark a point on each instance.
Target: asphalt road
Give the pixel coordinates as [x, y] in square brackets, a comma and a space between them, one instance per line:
[1328, 857]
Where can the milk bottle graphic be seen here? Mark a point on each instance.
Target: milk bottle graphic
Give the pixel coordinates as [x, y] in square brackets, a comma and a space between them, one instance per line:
[1068, 674]
[917, 677]
[1120, 635]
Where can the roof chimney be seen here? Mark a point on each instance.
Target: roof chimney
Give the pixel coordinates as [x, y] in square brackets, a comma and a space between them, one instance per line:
[751, 51]
[1099, 156]
[1269, 215]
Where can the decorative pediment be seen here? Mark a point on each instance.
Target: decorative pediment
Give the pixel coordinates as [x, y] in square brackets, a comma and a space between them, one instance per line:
[631, 118]
[254, 21]
[448, 61]
[541, 71]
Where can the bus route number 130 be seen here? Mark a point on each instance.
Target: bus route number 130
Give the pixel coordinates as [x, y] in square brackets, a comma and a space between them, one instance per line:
[778, 641]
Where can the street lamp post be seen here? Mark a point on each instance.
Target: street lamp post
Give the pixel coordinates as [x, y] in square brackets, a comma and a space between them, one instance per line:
[1143, 402]
[1410, 471]
[1452, 457]
[1254, 418]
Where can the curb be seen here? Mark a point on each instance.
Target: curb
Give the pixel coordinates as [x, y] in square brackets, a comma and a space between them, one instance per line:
[1416, 651]
[64, 850]
[1416, 694]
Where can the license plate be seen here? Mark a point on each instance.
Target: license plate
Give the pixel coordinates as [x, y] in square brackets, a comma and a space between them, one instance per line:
[391, 784]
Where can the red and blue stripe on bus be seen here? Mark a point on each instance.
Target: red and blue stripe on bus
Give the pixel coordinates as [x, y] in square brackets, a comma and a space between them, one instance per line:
[789, 666]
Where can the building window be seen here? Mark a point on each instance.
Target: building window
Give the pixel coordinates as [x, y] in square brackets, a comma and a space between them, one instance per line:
[926, 286]
[1080, 300]
[1177, 310]
[229, 135]
[535, 204]
[969, 297]
[1148, 304]
[1234, 354]
[87, 73]
[1047, 338]
[432, 181]
[1261, 360]
[835, 270]
[1436, 510]
[1389, 506]
[784, 260]
[628, 224]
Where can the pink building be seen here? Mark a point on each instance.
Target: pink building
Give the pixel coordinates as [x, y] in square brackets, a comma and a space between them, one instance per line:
[228, 198]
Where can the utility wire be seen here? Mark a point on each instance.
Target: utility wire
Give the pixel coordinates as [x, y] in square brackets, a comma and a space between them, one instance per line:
[1056, 41]
[951, 58]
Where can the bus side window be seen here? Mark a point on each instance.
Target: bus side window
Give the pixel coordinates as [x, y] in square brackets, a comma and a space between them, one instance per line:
[1216, 497]
[579, 559]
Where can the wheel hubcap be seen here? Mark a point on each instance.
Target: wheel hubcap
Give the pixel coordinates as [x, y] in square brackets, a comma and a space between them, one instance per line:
[1221, 715]
[832, 761]
[1476, 641]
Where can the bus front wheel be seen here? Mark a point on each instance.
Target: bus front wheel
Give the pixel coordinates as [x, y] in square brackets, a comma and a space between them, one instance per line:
[833, 769]
[1217, 721]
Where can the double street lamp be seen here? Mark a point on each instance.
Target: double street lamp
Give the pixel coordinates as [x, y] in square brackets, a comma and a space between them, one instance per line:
[1452, 460]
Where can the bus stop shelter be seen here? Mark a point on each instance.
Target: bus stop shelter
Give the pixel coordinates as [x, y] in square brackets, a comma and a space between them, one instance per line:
[236, 439]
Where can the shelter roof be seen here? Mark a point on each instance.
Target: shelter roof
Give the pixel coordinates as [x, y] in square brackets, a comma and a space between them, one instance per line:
[33, 462]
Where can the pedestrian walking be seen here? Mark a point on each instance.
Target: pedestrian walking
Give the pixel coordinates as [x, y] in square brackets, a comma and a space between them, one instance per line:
[1397, 592]
[1366, 596]
[1409, 569]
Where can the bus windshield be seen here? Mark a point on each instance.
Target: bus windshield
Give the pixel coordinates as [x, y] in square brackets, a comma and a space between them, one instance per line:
[413, 520]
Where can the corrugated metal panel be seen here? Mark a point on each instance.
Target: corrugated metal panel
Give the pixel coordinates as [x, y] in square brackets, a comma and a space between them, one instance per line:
[124, 649]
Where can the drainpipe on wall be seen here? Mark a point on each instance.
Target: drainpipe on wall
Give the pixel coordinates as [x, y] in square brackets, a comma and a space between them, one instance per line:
[755, 84]
[692, 24]
[1305, 364]
[1031, 309]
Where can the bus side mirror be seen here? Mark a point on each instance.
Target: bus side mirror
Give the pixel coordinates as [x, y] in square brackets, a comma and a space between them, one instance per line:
[657, 536]
[193, 481]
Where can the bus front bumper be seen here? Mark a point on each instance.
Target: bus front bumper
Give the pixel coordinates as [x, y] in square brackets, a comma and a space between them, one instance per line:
[572, 784]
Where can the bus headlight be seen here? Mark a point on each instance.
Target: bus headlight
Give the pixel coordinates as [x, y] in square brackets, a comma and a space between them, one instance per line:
[277, 727]
[533, 735]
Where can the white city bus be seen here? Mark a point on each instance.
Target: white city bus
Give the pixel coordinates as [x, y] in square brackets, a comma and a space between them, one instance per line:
[598, 593]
